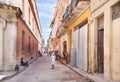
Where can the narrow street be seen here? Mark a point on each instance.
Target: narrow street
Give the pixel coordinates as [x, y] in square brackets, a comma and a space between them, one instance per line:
[40, 71]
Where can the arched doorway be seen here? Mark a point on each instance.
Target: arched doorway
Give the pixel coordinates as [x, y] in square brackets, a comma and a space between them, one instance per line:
[64, 46]
[65, 53]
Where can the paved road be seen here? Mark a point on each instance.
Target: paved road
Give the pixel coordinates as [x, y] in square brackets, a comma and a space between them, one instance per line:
[40, 71]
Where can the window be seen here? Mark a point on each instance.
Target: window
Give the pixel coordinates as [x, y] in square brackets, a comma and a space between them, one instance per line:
[33, 45]
[23, 3]
[23, 40]
[33, 24]
[29, 16]
[116, 11]
[29, 44]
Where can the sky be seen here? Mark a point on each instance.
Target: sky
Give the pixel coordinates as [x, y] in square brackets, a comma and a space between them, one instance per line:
[46, 13]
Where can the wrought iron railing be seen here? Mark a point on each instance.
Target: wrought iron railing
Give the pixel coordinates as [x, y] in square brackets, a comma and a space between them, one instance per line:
[70, 9]
[66, 13]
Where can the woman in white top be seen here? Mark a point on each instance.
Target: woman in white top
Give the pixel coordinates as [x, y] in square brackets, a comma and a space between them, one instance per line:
[53, 60]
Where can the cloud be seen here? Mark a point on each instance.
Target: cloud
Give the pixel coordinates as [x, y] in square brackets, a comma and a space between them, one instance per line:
[46, 10]
[43, 14]
[47, 6]
[46, 29]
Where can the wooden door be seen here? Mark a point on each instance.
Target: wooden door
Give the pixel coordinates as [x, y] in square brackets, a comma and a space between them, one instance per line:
[100, 51]
[101, 44]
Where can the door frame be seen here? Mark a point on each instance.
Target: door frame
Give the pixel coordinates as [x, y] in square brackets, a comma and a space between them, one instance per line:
[100, 29]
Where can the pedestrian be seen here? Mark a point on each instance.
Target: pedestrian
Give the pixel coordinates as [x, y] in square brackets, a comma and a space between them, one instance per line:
[17, 68]
[53, 60]
[24, 63]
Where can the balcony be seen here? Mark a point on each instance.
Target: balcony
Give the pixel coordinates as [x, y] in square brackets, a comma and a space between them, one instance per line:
[74, 10]
[61, 30]
[66, 13]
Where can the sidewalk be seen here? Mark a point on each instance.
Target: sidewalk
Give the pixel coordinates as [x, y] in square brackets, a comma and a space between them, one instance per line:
[8, 74]
[94, 77]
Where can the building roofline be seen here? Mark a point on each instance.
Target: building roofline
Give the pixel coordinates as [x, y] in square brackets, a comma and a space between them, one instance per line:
[16, 10]
[33, 11]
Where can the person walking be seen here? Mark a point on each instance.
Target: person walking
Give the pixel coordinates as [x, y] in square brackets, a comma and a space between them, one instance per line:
[53, 60]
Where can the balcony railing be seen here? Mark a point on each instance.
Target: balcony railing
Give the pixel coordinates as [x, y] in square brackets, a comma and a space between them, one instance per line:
[66, 13]
[72, 11]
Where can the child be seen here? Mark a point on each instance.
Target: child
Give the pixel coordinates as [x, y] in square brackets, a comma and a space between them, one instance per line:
[53, 60]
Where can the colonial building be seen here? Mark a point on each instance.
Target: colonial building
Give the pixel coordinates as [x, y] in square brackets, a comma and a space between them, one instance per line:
[77, 23]
[89, 30]
[74, 27]
[20, 32]
[105, 33]
[59, 40]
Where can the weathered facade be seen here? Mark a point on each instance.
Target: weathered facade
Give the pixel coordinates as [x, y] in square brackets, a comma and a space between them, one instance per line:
[105, 32]
[20, 32]
[75, 27]
[90, 29]
[79, 39]
[58, 38]
[74, 15]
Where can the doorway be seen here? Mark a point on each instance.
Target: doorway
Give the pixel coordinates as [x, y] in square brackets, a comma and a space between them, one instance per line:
[100, 56]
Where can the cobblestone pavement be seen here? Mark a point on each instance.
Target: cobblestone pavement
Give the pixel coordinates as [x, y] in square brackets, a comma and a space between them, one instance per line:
[40, 71]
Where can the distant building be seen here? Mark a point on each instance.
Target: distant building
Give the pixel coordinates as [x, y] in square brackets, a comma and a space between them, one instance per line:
[20, 32]
[59, 35]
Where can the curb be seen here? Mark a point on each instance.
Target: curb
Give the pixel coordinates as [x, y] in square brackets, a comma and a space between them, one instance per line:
[76, 71]
[16, 73]
[86, 76]
[71, 69]
[10, 76]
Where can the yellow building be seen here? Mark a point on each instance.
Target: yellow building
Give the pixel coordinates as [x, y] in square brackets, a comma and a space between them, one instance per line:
[78, 24]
